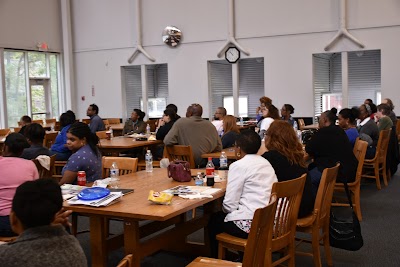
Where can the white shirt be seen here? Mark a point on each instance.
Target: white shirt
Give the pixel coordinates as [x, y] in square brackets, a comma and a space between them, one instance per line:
[219, 125]
[265, 123]
[249, 187]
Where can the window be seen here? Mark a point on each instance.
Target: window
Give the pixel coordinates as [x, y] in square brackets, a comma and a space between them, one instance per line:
[364, 79]
[157, 89]
[35, 94]
[251, 85]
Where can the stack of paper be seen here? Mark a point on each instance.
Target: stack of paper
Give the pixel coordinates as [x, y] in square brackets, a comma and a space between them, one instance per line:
[105, 201]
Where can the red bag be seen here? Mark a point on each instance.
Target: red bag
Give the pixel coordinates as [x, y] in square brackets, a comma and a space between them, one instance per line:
[179, 170]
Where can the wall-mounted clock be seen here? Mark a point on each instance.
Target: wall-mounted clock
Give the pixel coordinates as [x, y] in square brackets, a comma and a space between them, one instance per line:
[232, 54]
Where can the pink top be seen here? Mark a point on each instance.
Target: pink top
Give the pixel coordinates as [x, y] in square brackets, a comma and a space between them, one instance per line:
[13, 172]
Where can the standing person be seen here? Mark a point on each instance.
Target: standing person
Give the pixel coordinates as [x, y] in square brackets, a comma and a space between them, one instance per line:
[196, 132]
[34, 207]
[270, 114]
[248, 189]
[392, 115]
[135, 123]
[384, 121]
[286, 112]
[286, 155]
[265, 102]
[13, 172]
[347, 121]
[24, 121]
[231, 131]
[218, 121]
[59, 148]
[327, 147]
[85, 154]
[35, 133]
[368, 130]
[96, 123]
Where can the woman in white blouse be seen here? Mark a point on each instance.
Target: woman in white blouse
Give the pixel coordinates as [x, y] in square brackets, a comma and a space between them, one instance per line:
[249, 187]
[270, 114]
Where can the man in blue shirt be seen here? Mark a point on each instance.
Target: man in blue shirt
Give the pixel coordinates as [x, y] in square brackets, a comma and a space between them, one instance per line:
[96, 123]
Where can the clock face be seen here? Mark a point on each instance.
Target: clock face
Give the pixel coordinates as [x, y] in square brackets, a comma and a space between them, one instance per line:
[232, 54]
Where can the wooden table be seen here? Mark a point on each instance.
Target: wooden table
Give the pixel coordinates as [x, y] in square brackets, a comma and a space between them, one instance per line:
[117, 129]
[135, 207]
[120, 143]
[229, 152]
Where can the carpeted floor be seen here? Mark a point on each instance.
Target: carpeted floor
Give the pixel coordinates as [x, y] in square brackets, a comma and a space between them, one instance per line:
[381, 213]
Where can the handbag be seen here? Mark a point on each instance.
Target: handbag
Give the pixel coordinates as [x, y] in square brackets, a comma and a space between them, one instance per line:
[179, 170]
[345, 233]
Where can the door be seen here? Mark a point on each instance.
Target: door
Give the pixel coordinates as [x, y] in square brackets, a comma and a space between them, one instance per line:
[40, 98]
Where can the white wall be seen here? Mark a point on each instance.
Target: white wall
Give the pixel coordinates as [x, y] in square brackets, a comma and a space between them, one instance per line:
[104, 35]
[24, 23]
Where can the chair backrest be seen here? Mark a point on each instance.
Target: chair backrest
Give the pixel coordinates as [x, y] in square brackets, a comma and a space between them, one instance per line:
[289, 197]
[152, 124]
[323, 201]
[38, 121]
[382, 146]
[49, 139]
[398, 129]
[102, 134]
[359, 150]
[126, 261]
[260, 236]
[87, 121]
[180, 152]
[106, 123]
[114, 120]
[5, 132]
[43, 172]
[17, 129]
[125, 165]
[301, 124]
[48, 121]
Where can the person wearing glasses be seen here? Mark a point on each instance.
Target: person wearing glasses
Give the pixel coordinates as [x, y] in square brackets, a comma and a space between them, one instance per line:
[218, 121]
[286, 112]
[196, 132]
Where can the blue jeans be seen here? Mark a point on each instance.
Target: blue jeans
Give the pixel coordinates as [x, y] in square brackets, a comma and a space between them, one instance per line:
[5, 227]
[315, 176]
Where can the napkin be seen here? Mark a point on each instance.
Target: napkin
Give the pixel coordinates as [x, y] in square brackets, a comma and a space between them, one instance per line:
[195, 196]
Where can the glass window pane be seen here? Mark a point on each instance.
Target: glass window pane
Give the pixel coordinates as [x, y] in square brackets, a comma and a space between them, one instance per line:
[54, 86]
[37, 64]
[243, 105]
[14, 64]
[156, 106]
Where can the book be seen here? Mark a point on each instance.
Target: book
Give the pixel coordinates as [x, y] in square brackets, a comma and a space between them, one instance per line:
[112, 198]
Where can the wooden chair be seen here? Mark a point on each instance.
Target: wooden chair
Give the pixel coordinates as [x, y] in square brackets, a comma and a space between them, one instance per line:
[257, 244]
[38, 121]
[43, 172]
[49, 121]
[301, 124]
[114, 120]
[106, 123]
[359, 150]
[377, 165]
[317, 223]
[126, 261]
[17, 129]
[49, 139]
[87, 121]
[5, 132]
[180, 152]
[152, 124]
[289, 197]
[102, 134]
[398, 130]
[125, 165]
[57, 126]
[58, 166]
[7, 238]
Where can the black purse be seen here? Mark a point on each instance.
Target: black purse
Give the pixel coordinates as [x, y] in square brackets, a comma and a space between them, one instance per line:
[345, 233]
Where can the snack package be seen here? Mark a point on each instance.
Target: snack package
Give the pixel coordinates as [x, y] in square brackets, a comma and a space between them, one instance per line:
[160, 197]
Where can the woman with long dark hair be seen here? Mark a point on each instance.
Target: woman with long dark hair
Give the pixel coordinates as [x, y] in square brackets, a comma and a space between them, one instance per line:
[270, 114]
[85, 154]
[348, 122]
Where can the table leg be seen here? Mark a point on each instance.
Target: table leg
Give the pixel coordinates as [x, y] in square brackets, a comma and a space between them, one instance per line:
[98, 241]
[132, 241]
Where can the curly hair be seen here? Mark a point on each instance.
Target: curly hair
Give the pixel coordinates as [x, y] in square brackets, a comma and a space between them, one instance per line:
[266, 100]
[282, 138]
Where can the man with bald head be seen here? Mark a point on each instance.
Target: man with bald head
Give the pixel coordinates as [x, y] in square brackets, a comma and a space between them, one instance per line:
[196, 132]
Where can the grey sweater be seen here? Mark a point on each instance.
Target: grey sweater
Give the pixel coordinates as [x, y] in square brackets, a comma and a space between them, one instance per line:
[43, 246]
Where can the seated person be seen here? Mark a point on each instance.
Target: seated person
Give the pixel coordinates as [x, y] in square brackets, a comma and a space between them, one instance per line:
[327, 147]
[347, 121]
[391, 115]
[249, 188]
[85, 155]
[384, 121]
[368, 130]
[135, 123]
[231, 131]
[265, 102]
[218, 121]
[13, 172]
[35, 133]
[96, 123]
[286, 155]
[59, 148]
[270, 114]
[34, 207]
[23, 122]
[286, 114]
[164, 126]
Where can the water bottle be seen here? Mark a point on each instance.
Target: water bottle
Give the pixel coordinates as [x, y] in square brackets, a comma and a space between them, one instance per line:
[241, 121]
[199, 179]
[111, 132]
[148, 131]
[223, 166]
[149, 161]
[114, 175]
